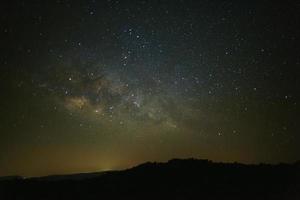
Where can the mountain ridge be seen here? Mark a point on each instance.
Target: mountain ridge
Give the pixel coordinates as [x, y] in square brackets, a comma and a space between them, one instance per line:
[176, 179]
[148, 163]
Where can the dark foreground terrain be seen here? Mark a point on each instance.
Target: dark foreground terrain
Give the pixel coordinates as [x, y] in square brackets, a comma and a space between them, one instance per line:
[176, 179]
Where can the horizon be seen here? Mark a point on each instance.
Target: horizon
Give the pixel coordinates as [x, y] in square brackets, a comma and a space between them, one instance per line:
[138, 164]
[178, 178]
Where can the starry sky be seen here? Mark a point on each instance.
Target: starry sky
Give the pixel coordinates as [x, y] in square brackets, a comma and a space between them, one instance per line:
[103, 84]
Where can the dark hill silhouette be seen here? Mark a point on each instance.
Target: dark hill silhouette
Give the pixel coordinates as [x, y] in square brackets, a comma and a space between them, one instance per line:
[80, 176]
[5, 178]
[176, 179]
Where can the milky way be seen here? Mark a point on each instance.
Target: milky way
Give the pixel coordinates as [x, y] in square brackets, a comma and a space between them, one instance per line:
[103, 85]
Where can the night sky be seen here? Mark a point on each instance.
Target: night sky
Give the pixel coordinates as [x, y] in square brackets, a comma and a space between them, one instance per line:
[104, 84]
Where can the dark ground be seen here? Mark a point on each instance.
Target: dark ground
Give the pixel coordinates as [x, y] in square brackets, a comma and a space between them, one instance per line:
[176, 179]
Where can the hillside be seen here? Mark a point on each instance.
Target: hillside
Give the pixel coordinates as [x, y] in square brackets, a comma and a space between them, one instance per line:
[175, 179]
